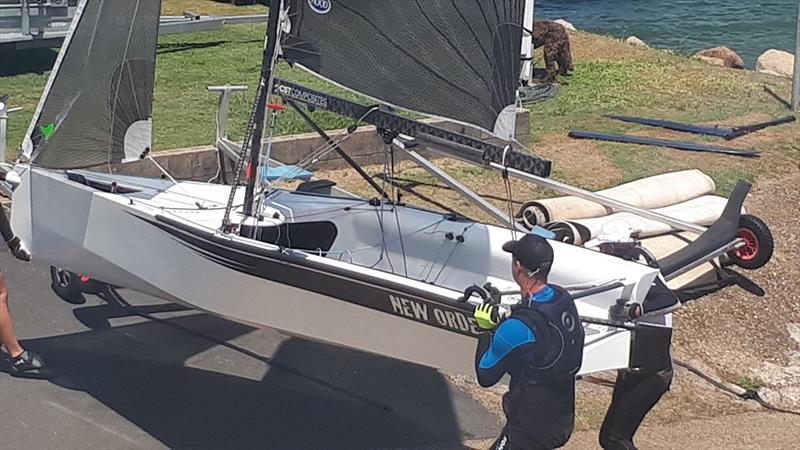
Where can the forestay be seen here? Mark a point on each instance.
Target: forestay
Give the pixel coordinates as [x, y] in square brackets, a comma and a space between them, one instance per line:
[454, 59]
[83, 123]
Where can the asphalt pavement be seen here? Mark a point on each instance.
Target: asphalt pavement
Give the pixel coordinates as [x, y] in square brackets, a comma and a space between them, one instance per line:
[191, 380]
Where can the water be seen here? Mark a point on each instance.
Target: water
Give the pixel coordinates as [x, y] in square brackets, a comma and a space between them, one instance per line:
[749, 28]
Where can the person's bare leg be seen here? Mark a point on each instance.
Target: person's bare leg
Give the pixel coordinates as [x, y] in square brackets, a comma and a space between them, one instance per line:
[7, 336]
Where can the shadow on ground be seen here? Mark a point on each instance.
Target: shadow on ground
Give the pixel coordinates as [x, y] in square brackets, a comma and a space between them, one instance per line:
[183, 46]
[188, 392]
[35, 60]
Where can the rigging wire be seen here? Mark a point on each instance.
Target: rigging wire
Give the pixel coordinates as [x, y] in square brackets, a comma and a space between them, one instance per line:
[452, 251]
[509, 194]
[395, 194]
[322, 150]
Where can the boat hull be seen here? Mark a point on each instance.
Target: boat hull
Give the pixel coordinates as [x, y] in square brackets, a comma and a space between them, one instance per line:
[133, 243]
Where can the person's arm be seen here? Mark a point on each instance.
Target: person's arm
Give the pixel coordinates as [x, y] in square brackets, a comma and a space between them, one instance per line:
[495, 352]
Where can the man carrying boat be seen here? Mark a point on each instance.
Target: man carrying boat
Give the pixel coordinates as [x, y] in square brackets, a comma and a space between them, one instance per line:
[636, 392]
[540, 345]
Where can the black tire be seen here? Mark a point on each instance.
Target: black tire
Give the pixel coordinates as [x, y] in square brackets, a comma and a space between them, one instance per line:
[66, 285]
[759, 243]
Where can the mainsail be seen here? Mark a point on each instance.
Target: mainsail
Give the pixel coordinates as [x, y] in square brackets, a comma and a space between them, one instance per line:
[80, 124]
[457, 59]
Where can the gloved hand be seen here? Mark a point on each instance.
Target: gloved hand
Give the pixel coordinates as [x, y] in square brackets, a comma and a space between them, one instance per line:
[486, 316]
[18, 249]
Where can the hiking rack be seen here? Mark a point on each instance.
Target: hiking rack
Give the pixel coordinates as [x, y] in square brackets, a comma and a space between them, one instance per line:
[438, 140]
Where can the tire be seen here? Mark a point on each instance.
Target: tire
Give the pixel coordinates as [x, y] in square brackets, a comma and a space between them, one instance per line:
[66, 285]
[759, 244]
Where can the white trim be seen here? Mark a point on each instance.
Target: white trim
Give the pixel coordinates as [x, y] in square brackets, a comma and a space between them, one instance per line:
[27, 142]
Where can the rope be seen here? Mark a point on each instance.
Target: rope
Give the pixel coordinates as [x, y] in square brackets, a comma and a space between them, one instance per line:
[748, 394]
[537, 93]
[509, 197]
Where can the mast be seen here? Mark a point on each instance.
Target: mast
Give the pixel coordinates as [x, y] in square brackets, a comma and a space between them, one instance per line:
[256, 127]
[267, 66]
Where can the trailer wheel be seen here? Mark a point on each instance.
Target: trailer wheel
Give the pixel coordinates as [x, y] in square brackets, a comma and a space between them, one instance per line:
[66, 285]
[758, 243]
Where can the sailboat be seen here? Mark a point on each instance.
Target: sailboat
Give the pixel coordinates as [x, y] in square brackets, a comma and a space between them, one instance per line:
[371, 274]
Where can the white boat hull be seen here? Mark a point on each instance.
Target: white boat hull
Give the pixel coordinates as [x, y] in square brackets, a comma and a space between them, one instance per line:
[161, 246]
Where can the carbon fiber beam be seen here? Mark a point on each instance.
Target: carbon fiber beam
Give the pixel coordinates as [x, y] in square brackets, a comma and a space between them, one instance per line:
[464, 147]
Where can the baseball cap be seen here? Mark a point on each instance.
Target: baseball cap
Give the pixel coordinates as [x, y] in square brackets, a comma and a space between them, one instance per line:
[532, 251]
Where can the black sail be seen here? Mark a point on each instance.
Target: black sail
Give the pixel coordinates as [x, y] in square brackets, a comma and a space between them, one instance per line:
[458, 59]
[97, 106]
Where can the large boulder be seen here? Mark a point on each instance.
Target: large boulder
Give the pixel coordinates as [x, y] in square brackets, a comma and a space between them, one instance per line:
[636, 42]
[776, 62]
[567, 26]
[721, 56]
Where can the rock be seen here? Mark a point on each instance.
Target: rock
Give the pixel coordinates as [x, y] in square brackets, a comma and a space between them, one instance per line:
[721, 56]
[567, 26]
[776, 62]
[636, 42]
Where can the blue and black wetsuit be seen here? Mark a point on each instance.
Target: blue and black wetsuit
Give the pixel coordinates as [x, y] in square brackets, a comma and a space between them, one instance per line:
[541, 347]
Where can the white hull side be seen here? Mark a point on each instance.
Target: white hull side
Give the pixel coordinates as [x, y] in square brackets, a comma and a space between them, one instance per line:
[113, 239]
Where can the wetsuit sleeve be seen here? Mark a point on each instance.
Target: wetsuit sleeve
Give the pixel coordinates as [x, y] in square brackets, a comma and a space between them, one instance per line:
[494, 357]
[5, 227]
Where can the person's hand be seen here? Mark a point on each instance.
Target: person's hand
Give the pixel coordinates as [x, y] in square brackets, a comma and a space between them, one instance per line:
[18, 249]
[486, 316]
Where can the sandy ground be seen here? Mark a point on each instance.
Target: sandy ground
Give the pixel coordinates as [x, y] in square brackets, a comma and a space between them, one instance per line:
[755, 430]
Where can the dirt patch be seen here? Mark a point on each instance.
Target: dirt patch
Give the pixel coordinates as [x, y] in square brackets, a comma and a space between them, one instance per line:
[587, 46]
[738, 334]
[579, 160]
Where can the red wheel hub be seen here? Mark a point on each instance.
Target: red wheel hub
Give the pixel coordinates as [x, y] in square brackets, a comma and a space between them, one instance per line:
[750, 248]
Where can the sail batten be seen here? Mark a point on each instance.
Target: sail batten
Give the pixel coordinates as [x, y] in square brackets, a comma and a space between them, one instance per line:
[456, 59]
[97, 106]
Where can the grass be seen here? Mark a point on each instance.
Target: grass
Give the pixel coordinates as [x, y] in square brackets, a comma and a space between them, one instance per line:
[205, 7]
[610, 77]
[753, 383]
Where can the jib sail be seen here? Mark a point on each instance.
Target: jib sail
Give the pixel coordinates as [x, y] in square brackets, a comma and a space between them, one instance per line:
[458, 59]
[97, 105]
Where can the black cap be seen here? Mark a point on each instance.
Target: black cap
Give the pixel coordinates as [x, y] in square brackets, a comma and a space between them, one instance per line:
[533, 252]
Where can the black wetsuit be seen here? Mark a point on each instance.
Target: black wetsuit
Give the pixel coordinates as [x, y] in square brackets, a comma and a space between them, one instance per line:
[637, 392]
[541, 346]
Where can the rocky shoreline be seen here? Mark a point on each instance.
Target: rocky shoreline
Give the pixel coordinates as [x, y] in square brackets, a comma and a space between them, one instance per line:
[771, 62]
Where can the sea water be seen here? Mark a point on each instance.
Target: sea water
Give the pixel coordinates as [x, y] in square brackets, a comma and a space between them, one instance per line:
[686, 26]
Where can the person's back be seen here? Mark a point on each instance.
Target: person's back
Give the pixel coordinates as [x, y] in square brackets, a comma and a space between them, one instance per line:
[540, 345]
[541, 394]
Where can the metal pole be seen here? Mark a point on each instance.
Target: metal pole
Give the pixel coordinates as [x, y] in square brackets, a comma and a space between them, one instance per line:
[476, 199]
[3, 121]
[4, 112]
[273, 33]
[796, 74]
[221, 131]
[25, 24]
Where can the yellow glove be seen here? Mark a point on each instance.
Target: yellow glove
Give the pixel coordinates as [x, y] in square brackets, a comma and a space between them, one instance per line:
[486, 316]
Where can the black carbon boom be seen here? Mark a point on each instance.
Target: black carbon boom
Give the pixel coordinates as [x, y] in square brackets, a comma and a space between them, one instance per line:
[461, 145]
